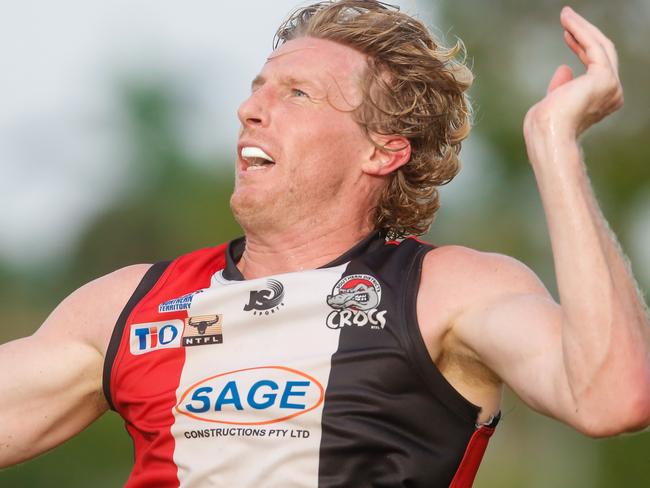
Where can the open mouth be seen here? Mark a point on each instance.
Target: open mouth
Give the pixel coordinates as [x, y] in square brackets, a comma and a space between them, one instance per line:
[256, 159]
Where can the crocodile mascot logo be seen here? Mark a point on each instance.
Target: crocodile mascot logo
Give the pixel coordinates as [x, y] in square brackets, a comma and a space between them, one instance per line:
[355, 299]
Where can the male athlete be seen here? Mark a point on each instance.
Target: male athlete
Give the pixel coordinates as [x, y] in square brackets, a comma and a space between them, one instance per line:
[317, 352]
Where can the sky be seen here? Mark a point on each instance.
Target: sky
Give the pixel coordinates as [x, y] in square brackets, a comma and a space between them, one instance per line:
[61, 63]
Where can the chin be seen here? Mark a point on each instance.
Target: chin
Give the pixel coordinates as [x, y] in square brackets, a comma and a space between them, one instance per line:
[252, 209]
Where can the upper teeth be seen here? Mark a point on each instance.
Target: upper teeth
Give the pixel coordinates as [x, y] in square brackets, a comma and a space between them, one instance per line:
[253, 154]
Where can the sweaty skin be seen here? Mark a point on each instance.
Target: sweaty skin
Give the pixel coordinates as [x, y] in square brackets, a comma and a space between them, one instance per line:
[486, 318]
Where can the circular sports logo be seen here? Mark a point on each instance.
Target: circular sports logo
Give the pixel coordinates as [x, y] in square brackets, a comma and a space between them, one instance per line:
[355, 292]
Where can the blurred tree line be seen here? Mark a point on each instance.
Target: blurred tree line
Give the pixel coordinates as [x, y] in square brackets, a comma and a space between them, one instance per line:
[173, 203]
[514, 48]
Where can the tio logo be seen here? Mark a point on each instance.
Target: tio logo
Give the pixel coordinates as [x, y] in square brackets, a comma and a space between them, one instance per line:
[155, 335]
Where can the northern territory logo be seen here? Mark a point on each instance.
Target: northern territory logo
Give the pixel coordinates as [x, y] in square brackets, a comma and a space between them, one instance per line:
[266, 301]
[177, 304]
[355, 299]
[202, 329]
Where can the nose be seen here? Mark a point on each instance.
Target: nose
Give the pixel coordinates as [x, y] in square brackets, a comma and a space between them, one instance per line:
[253, 112]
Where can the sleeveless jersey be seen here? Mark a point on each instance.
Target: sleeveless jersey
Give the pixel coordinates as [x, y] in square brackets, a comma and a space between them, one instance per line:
[312, 378]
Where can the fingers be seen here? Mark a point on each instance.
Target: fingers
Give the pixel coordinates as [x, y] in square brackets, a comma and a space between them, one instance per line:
[602, 39]
[576, 47]
[593, 43]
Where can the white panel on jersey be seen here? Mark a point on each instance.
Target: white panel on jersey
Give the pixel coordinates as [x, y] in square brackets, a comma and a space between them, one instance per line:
[250, 399]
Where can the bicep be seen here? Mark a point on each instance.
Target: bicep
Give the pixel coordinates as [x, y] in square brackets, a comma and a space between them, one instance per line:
[51, 382]
[50, 391]
[518, 338]
[516, 331]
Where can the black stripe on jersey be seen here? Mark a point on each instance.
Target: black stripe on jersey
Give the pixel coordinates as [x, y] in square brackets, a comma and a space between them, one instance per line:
[429, 373]
[148, 281]
[389, 421]
[368, 244]
[234, 253]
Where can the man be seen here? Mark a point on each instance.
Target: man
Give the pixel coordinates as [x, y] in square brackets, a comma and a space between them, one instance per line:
[316, 353]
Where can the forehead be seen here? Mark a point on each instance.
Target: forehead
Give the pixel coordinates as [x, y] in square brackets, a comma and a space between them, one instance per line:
[319, 60]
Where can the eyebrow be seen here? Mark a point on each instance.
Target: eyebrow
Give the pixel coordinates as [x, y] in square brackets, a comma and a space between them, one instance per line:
[290, 80]
[257, 81]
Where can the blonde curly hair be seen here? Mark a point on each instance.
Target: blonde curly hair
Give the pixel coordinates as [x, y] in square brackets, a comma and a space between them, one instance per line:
[413, 87]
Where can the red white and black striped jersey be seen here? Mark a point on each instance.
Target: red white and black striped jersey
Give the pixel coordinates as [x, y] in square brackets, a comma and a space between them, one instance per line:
[316, 378]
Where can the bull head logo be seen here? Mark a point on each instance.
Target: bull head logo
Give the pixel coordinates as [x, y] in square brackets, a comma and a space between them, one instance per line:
[202, 322]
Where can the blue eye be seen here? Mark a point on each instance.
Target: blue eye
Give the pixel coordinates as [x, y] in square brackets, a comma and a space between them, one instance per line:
[299, 93]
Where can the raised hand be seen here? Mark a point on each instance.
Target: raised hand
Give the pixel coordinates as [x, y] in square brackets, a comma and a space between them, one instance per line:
[572, 105]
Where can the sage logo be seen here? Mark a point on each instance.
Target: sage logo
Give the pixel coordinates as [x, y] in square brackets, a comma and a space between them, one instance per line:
[267, 300]
[252, 396]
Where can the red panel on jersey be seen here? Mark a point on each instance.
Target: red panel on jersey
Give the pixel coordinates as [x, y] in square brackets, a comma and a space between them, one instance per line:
[155, 375]
[464, 477]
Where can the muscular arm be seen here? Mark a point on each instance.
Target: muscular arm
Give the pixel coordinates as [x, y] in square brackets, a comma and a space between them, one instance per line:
[51, 382]
[585, 362]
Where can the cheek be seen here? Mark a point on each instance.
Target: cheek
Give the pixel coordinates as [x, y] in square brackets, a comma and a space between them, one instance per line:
[335, 140]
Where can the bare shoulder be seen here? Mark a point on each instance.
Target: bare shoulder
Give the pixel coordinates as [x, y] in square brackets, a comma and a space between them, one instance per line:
[456, 282]
[477, 275]
[89, 313]
[456, 279]
[70, 346]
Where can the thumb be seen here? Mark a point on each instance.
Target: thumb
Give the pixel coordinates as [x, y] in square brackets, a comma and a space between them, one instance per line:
[562, 75]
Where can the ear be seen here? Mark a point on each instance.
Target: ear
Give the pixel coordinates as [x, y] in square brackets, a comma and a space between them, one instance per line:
[390, 153]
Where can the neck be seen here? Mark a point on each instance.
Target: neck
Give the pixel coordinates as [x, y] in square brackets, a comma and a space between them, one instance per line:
[271, 253]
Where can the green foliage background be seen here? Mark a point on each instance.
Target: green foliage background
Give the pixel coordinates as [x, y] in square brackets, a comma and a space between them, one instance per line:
[172, 203]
